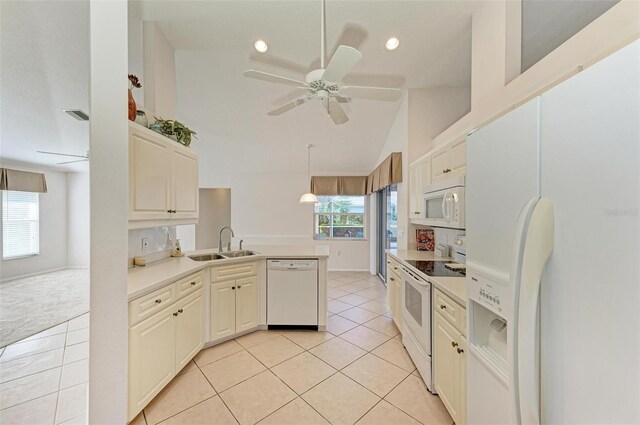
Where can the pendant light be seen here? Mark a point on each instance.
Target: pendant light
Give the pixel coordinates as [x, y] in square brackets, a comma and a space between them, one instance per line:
[309, 198]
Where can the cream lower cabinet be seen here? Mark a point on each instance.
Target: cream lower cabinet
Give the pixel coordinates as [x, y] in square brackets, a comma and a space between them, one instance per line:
[234, 299]
[164, 340]
[450, 356]
[394, 292]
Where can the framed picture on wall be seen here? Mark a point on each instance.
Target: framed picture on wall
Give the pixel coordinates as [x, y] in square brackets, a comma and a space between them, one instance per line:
[425, 240]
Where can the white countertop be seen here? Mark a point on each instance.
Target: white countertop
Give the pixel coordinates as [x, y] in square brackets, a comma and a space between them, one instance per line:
[143, 280]
[455, 287]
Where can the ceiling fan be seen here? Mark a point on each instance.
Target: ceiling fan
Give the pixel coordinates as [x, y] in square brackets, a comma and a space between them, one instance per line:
[325, 83]
[84, 157]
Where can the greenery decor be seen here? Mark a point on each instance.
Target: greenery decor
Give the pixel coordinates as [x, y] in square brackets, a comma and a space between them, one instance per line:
[174, 129]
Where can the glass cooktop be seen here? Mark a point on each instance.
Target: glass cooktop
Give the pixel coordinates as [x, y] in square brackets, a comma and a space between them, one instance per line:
[436, 268]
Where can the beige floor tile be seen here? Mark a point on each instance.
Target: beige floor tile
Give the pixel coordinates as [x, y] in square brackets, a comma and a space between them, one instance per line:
[365, 338]
[334, 283]
[77, 336]
[76, 352]
[139, 420]
[28, 348]
[337, 306]
[29, 365]
[255, 338]
[79, 322]
[375, 374]
[188, 368]
[337, 352]
[256, 398]
[393, 351]
[385, 413]
[338, 324]
[384, 325]
[275, 351]
[303, 372]
[353, 299]
[29, 387]
[210, 411]
[364, 284]
[84, 420]
[307, 339]
[358, 315]
[340, 400]
[217, 352]
[72, 402]
[181, 393]
[350, 288]
[38, 411]
[74, 374]
[375, 306]
[412, 397]
[375, 292]
[56, 330]
[349, 279]
[298, 412]
[336, 293]
[232, 370]
[336, 274]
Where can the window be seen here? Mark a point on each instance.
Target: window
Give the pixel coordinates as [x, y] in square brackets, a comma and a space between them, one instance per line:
[340, 217]
[20, 225]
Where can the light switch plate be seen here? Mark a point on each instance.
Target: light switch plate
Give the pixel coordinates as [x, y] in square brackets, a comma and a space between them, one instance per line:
[145, 244]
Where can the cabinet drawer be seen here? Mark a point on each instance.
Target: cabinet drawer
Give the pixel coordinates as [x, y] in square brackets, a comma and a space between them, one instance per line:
[189, 284]
[393, 276]
[448, 308]
[393, 265]
[152, 303]
[234, 271]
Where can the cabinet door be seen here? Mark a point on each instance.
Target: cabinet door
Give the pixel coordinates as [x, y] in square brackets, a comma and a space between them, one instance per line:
[185, 187]
[425, 176]
[391, 292]
[415, 195]
[440, 164]
[399, 299]
[152, 358]
[446, 364]
[246, 304]
[458, 157]
[189, 329]
[462, 381]
[149, 178]
[223, 309]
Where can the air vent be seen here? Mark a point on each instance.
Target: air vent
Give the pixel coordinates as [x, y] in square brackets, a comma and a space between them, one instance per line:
[77, 114]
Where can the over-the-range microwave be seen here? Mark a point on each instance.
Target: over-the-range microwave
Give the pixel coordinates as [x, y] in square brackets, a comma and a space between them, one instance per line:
[444, 204]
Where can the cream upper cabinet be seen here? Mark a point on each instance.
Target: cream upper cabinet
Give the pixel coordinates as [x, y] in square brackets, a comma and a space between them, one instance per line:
[223, 309]
[419, 179]
[163, 180]
[449, 160]
[189, 329]
[246, 304]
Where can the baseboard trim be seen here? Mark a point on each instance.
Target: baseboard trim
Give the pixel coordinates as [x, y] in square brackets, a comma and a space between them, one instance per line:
[9, 279]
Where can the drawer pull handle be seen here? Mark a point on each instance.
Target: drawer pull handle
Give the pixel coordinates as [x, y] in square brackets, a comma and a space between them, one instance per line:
[454, 344]
[180, 311]
[193, 283]
[233, 287]
[392, 279]
[460, 350]
[442, 306]
[175, 314]
[158, 301]
[239, 286]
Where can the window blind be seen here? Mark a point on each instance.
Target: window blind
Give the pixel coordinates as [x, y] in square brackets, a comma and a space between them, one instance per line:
[20, 224]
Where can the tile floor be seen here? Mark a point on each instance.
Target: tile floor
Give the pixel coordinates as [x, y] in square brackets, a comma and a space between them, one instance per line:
[357, 372]
[44, 378]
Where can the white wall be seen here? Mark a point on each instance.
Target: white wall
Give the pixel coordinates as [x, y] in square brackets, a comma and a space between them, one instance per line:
[78, 214]
[53, 228]
[159, 72]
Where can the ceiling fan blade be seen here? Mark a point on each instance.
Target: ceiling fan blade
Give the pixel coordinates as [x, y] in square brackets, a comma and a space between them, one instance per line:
[337, 113]
[341, 99]
[289, 106]
[341, 63]
[373, 93]
[265, 76]
[71, 162]
[63, 154]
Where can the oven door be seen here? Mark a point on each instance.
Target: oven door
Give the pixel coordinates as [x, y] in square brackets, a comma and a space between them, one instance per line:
[416, 309]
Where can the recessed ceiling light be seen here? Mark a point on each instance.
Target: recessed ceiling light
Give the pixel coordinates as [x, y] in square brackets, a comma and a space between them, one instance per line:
[392, 43]
[261, 46]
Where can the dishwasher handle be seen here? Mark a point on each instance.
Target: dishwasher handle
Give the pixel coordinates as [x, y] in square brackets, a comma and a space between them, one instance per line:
[292, 265]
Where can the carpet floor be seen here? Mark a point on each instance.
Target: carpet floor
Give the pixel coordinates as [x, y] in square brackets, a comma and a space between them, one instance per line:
[32, 304]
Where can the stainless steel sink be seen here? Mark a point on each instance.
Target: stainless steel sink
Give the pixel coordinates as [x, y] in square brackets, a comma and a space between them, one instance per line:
[236, 254]
[206, 257]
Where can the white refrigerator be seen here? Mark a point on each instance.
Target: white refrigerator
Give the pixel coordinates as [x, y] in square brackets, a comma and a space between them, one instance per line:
[553, 254]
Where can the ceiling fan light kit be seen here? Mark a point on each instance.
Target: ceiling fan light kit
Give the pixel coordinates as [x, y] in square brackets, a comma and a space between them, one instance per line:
[325, 84]
[261, 46]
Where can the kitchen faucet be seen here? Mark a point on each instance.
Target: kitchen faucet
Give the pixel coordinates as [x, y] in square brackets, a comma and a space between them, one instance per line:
[220, 239]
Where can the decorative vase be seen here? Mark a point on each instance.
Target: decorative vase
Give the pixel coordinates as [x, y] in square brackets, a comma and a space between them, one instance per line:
[141, 118]
[132, 107]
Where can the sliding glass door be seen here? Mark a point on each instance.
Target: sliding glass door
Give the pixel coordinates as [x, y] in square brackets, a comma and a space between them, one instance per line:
[386, 226]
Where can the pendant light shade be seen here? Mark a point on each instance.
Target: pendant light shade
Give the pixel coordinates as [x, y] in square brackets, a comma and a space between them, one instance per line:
[309, 198]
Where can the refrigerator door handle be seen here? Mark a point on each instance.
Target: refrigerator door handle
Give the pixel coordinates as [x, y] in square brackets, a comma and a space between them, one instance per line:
[532, 248]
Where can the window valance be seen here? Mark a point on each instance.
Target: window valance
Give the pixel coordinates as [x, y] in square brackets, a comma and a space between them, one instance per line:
[388, 172]
[339, 185]
[22, 181]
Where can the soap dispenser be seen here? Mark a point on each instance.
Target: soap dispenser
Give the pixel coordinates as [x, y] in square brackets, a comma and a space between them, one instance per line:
[177, 250]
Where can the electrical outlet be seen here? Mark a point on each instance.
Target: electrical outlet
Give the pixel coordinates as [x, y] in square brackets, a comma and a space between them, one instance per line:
[338, 252]
[145, 244]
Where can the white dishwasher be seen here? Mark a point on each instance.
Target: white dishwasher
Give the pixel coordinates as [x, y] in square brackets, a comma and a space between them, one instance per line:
[292, 293]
